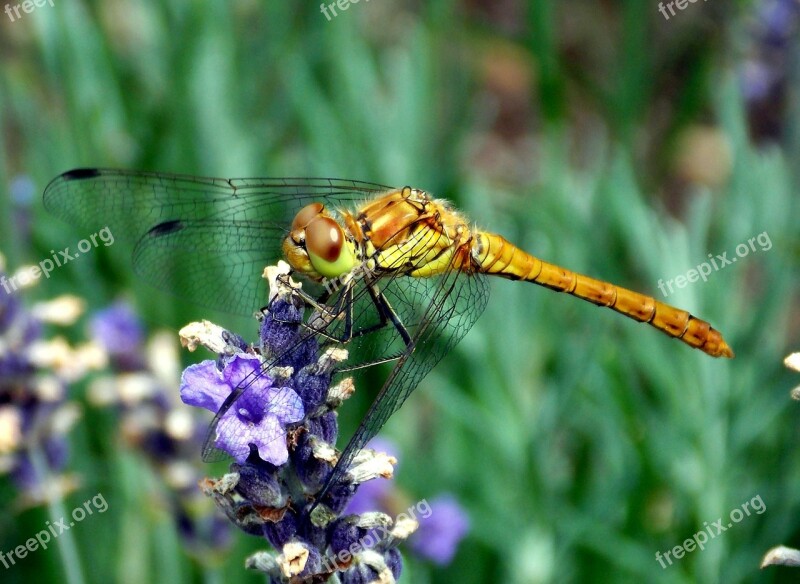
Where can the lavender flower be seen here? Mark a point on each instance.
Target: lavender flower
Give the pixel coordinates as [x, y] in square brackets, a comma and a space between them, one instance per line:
[375, 494]
[260, 415]
[153, 422]
[782, 555]
[765, 73]
[440, 533]
[118, 330]
[443, 523]
[35, 415]
[287, 421]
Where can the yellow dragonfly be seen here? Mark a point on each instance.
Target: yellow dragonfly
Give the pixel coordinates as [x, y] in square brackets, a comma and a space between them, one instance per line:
[399, 276]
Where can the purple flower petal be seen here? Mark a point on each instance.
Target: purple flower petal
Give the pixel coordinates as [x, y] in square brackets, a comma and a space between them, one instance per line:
[241, 367]
[286, 405]
[439, 534]
[235, 436]
[203, 386]
[118, 329]
[259, 415]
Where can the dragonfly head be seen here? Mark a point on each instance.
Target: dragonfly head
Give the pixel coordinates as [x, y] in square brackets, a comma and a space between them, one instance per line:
[317, 245]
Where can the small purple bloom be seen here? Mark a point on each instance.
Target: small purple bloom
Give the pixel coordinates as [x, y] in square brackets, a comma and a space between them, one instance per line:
[440, 533]
[279, 332]
[778, 19]
[118, 329]
[757, 80]
[280, 497]
[395, 562]
[258, 417]
[22, 190]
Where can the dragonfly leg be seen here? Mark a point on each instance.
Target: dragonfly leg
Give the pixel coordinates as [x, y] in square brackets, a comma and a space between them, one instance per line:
[327, 314]
[319, 304]
[387, 313]
[343, 309]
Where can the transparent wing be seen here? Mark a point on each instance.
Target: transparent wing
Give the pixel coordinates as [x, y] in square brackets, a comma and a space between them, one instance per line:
[437, 312]
[204, 239]
[441, 310]
[208, 240]
[356, 321]
[211, 263]
[433, 315]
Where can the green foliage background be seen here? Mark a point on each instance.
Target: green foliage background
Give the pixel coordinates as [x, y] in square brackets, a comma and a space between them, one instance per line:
[579, 442]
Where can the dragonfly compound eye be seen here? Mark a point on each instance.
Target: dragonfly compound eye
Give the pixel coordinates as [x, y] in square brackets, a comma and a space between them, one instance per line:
[327, 249]
[324, 239]
[306, 215]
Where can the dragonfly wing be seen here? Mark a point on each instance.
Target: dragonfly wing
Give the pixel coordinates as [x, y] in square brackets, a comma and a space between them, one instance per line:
[212, 224]
[455, 300]
[214, 263]
[134, 202]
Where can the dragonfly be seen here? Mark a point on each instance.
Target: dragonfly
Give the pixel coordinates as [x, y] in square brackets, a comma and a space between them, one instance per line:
[400, 275]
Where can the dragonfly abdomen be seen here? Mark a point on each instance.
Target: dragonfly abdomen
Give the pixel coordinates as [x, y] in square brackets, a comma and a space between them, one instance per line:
[494, 255]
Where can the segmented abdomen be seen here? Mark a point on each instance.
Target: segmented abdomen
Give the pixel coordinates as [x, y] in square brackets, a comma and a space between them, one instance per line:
[493, 254]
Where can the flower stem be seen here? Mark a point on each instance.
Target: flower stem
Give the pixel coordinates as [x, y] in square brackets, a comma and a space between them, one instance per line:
[56, 511]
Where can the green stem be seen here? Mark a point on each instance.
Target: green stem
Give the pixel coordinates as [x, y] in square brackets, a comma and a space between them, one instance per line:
[56, 511]
[212, 575]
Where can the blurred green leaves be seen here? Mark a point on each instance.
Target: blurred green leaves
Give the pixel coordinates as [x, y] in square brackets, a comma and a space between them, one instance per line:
[580, 442]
